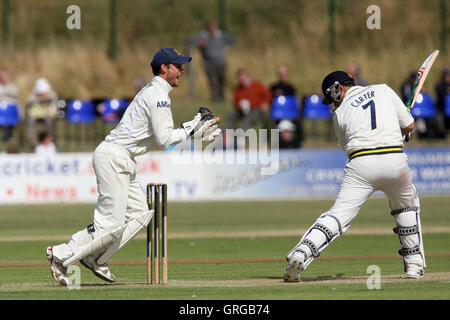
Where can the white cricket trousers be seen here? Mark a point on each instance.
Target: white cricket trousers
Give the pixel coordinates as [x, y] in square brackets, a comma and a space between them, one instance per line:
[365, 175]
[120, 194]
[120, 198]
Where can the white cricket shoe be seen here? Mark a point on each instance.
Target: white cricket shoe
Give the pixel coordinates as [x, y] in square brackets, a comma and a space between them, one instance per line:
[100, 271]
[295, 265]
[413, 271]
[59, 273]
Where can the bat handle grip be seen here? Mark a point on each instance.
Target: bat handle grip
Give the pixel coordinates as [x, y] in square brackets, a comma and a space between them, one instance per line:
[407, 137]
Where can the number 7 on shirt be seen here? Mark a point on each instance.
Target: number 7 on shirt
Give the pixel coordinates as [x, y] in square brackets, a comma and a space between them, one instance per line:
[373, 116]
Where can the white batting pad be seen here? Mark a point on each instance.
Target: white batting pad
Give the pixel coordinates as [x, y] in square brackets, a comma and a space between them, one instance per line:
[97, 243]
[132, 228]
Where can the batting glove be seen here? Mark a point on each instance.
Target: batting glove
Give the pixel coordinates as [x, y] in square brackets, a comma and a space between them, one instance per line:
[407, 137]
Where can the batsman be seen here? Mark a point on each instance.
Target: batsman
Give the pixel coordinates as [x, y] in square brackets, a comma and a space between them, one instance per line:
[121, 210]
[370, 123]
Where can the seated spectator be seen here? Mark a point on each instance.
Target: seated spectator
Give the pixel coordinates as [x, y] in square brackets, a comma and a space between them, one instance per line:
[9, 93]
[354, 70]
[288, 135]
[46, 145]
[407, 86]
[41, 107]
[282, 87]
[8, 90]
[251, 101]
[442, 90]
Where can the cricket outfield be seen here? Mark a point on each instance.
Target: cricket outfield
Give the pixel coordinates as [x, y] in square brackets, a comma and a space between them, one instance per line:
[231, 250]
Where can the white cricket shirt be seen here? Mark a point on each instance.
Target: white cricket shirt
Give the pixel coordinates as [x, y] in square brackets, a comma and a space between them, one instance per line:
[370, 117]
[147, 120]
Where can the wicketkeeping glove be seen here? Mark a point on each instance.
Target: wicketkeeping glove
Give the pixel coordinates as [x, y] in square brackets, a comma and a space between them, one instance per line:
[211, 133]
[189, 126]
[204, 121]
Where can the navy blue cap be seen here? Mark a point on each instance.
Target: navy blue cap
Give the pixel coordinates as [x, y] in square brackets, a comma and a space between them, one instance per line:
[169, 55]
[329, 80]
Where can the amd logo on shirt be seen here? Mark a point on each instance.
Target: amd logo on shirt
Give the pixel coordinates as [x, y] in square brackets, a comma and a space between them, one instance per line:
[163, 104]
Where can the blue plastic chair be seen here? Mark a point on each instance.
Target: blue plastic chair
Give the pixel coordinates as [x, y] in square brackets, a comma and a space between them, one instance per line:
[447, 105]
[314, 109]
[424, 107]
[9, 114]
[114, 108]
[285, 107]
[79, 111]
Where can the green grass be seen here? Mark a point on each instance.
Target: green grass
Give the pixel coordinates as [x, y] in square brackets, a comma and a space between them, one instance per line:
[328, 278]
[36, 282]
[235, 248]
[57, 219]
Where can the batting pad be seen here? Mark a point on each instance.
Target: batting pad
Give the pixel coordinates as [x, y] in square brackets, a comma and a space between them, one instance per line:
[96, 244]
[132, 228]
[324, 231]
[409, 231]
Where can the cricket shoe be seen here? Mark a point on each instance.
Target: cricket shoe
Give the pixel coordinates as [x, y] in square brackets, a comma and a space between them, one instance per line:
[59, 273]
[295, 265]
[414, 272]
[100, 271]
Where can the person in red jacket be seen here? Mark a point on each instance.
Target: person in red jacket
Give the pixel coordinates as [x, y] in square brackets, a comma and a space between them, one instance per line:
[251, 100]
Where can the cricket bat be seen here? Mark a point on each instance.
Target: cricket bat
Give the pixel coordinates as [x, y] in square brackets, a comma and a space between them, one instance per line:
[420, 79]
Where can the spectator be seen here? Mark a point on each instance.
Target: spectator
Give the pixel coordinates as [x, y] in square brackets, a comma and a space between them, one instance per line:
[354, 71]
[288, 135]
[8, 90]
[8, 93]
[41, 107]
[12, 149]
[213, 43]
[251, 101]
[442, 90]
[228, 141]
[46, 145]
[282, 87]
[407, 86]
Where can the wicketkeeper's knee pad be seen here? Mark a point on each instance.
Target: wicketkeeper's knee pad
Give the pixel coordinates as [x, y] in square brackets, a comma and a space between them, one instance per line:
[409, 231]
[326, 228]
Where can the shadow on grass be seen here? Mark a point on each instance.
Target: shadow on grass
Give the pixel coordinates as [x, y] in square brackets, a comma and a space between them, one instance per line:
[339, 276]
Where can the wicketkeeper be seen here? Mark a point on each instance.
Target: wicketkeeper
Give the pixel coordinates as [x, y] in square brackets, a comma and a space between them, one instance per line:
[121, 210]
[369, 123]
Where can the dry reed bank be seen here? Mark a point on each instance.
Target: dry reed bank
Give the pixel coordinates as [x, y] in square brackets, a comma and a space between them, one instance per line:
[269, 33]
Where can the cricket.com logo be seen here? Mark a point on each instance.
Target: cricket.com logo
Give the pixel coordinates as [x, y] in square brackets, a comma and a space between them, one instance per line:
[233, 147]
